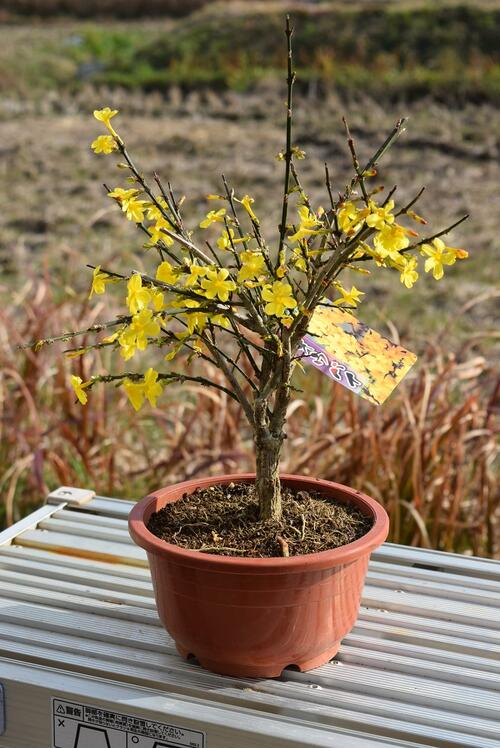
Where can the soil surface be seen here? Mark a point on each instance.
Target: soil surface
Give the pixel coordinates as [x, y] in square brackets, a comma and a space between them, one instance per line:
[225, 520]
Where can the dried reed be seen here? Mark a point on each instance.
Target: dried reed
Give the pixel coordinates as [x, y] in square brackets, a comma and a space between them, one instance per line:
[427, 455]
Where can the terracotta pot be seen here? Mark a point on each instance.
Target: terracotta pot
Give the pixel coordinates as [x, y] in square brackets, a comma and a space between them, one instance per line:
[252, 617]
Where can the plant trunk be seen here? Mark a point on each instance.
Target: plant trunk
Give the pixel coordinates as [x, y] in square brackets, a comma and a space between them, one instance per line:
[267, 481]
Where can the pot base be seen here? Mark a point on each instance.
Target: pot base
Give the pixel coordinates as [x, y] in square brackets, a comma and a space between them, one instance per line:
[265, 670]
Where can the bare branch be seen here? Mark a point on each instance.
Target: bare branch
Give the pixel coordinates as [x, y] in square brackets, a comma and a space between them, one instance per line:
[373, 161]
[169, 377]
[355, 161]
[439, 233]
[288, 152]
[411, 203]
[233, 381]
[37, 344]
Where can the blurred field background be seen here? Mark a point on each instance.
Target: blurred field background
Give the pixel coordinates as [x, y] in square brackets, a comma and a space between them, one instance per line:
[200, 90]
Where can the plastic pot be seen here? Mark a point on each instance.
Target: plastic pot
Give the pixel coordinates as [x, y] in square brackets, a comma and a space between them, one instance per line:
[252, 617]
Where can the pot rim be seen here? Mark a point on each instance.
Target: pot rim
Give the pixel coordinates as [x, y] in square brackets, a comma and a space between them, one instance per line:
[323, 559]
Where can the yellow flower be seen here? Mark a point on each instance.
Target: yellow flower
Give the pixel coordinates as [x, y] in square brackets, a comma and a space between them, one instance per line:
[135, 337]
[213, 216]
[154, 212]
[279, 297]
[349, 218]
[135, 393]
[221, 320]
[196, 272]
[104, 116]
[390, 240]
[165, 273]
[138, 297]
[99, 281]
[143, 325]
[380, 216]
[196, 320]
[123, 196]
[104, 144]
[438, 254]
[226, 240]
[134, 210]
[215, 284]
[252, 265]
[157, 234]
[158, 300]
[247, 203]
[79, 386]
[299, 260]
[128, 341]
[409, 274]
[308, 222]
[152, 388]
[352, 297]
[281, 269]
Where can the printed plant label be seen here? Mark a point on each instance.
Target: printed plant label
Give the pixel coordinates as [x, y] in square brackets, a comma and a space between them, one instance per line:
[353, 354]
[84, 726]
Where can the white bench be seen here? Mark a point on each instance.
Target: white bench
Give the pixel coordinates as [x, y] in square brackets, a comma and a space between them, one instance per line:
[84, 662]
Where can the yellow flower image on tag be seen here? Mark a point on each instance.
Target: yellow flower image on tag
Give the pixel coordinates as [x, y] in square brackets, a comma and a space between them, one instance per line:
[354, 355]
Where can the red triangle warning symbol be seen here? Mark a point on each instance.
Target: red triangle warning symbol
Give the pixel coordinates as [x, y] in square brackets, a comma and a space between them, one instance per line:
[60, 709]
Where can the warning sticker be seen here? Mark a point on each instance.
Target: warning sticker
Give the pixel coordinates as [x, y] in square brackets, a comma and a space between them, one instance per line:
[83, 726]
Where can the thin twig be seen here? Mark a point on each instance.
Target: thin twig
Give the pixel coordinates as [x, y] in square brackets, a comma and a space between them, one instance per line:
[411, 203]
[373, 161]
[37, 344]
[439, 233]
[170, 377]
[288, 152]
[355, 161]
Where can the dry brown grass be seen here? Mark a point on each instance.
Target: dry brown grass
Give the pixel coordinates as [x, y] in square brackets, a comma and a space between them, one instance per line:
[47, 439]
[427, 454]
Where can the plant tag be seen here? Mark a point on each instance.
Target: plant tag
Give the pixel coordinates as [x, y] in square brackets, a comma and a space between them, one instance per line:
[353, 354]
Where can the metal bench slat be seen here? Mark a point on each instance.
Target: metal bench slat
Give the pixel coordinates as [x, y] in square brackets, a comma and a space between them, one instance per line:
[420, 668]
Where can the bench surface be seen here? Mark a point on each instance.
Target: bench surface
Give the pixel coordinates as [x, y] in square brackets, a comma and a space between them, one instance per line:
[85, 663]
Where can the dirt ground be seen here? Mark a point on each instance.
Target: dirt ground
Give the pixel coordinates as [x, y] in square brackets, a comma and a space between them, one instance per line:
[55, 217]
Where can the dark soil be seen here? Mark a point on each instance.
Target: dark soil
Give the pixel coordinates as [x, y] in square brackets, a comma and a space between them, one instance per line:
[225, 520]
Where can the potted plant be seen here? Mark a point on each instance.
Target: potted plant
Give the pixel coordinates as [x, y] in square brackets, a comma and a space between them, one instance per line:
[259, 571]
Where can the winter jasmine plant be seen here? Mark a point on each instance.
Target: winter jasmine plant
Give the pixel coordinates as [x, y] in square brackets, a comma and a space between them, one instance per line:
[227, 295]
